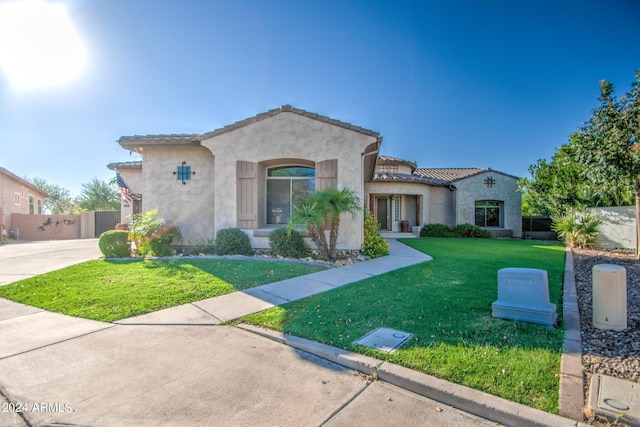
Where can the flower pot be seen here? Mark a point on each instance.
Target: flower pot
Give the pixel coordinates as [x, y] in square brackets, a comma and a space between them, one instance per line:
[404, 225]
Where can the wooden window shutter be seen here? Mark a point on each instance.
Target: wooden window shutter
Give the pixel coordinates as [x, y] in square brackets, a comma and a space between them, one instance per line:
[326, 174]
[247, 194]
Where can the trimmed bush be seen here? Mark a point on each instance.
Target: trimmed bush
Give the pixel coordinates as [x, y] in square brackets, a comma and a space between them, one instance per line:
[436, 230]
[374, 244]
[232, 241]
[462, 230]
[115, 244]
[471, 231]
[288, 243]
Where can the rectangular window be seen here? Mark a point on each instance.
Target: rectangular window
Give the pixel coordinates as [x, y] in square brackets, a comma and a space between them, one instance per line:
[278, 201]
[32, 203]
[39, 206]
[287, 186]
[16, 199]
[488, 213]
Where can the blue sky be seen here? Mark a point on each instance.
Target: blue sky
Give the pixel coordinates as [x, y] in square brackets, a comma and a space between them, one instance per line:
[495, 84]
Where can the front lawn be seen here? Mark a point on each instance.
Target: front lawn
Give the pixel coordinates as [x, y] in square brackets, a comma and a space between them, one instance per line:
[446, 304]
[112, 290]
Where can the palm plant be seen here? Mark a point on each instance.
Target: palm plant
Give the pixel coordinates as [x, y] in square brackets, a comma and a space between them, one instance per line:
[577, 229]
[322, 210]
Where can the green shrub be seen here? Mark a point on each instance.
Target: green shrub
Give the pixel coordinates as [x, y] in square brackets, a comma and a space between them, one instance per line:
[159, 243]
[577, 229]
[288, 243]
[374, 244]
[151, 235]
[471, 231]
[435, 230]
[115, 244]
[462, 230]
[232, 241]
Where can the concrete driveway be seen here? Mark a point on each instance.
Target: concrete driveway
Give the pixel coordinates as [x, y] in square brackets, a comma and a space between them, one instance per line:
[26, 259]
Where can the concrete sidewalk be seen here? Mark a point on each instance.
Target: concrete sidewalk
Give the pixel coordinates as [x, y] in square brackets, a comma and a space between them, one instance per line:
[221, 309]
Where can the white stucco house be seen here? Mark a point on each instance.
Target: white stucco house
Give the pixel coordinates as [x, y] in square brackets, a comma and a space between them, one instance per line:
[250, 173]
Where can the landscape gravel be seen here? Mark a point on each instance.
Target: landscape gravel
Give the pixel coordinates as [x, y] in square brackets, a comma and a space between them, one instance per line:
[613, 353]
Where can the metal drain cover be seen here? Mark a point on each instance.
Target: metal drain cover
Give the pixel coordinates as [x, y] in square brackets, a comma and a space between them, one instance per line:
[384, 339]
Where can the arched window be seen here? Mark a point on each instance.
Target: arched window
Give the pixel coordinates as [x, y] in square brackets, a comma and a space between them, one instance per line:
[287, 186]
[489, 213]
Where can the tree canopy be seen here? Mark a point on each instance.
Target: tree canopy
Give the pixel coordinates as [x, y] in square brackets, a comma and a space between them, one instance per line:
[599, 166]
[97, 195]
[59, 200]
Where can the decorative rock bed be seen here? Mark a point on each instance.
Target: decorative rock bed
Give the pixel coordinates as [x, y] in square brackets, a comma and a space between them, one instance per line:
[608, 352]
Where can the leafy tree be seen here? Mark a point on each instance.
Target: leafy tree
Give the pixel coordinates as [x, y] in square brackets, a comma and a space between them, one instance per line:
[59, 200]
[324, 208]
[99, 195]
[558, 186]
[608, 144]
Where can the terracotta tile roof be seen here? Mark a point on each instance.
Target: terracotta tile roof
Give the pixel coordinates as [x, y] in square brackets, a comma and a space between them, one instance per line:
[388, 160]
[455, 174]
[448, 174]
[136, 141]
[125, 165]
[289, 109]
[405, 177]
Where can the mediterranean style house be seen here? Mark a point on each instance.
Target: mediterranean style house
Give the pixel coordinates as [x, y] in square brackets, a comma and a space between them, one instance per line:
[17, 196]
[250, 174]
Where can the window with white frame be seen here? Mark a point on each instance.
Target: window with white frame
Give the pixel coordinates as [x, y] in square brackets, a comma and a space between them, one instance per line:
[287, 186]
[16, 199]
[32, 205]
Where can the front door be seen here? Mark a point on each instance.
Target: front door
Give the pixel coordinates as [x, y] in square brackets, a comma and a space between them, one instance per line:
[382, 212]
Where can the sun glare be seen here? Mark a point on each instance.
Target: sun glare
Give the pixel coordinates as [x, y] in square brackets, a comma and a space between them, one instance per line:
[39, 46]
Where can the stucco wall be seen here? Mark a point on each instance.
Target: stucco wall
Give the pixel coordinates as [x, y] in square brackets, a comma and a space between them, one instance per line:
[8, 188]
[47, 227]
[505, 189]
[442, 206]
[618, 230]
[187, 206]
[287, 136]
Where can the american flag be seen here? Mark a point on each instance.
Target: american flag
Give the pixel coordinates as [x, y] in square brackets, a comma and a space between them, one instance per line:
[125, 192]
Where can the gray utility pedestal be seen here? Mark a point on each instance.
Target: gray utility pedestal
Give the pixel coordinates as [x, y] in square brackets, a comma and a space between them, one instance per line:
[523, 294]
[609, 297]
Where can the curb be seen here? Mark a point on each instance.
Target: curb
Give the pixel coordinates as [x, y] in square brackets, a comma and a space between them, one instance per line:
[460, 397]
[571, 403]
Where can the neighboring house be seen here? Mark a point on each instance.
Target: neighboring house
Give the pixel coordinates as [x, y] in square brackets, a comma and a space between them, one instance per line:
[17, 196]
[250, 174]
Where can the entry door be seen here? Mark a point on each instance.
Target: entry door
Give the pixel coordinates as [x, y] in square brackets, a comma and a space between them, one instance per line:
[382, 212]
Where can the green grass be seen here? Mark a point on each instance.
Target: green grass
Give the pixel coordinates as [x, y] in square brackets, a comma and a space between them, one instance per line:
[111, 290]
[446, 304]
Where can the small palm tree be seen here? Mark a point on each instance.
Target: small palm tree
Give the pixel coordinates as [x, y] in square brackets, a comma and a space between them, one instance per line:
[577, 229]
[322, 210]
